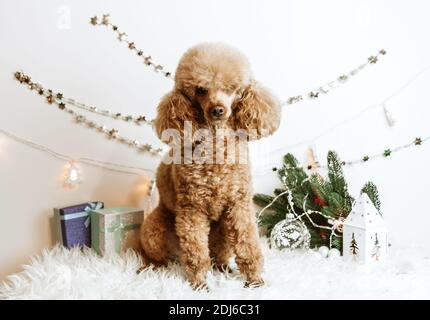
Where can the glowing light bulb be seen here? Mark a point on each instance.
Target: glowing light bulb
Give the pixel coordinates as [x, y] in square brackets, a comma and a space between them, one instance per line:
[73, 175]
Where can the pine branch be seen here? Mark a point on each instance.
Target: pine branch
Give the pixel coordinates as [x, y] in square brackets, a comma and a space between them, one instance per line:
[372, 191]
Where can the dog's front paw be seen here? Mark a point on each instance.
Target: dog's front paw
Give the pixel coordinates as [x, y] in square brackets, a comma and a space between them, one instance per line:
[254, 282]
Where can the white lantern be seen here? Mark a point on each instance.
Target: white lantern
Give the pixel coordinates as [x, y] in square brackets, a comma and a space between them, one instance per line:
[364, 233]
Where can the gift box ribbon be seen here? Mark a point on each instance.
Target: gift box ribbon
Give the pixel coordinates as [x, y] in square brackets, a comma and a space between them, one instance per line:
[86, 213]
[119, 229]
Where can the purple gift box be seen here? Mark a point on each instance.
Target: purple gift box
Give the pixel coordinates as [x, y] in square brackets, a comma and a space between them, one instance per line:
[73, 223]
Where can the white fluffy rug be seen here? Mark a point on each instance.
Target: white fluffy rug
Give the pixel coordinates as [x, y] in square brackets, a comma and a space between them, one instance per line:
[72, 274]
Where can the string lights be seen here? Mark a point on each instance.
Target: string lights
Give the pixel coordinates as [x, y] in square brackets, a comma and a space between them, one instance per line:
[73, 175]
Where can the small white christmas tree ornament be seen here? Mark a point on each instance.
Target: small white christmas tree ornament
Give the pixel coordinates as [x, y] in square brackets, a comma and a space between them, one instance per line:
[364, 233]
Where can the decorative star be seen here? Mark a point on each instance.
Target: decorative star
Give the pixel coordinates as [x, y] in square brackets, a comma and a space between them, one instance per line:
[128, 118]
[50, 99]
[114, 28]
[118, 115]
[314, 95]
[365, 158]
[59, 96]
[131, 45]
[158, 67]
[168, 74]
[25, 79]
[148, 60]
[93, 20]
[80, 118]
[113, 132]
[40, 91]
[18, 75]
[373, 59]
[387, 153]
[121, 36]
[61, 106]
[105, 19]
[140, 52]
[383, 52]
[295, 99]
[418, 141]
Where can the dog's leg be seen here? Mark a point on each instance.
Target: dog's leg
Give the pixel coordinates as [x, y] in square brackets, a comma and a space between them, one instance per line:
[243, 236]
[192, 228]
[219, 247]
[157, 235]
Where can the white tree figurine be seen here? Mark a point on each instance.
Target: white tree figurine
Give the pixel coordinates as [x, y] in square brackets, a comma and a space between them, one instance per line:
[364, 233]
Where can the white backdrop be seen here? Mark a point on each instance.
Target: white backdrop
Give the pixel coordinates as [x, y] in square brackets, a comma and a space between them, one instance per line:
[293, 46]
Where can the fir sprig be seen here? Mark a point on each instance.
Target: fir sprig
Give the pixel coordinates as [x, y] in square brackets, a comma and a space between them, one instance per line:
[329, 196]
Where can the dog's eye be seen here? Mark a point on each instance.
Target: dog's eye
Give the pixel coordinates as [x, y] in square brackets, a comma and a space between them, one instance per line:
[200, 91]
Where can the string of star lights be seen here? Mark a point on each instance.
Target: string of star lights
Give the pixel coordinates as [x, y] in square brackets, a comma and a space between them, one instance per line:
[313, 94]
[122, 37]
[329, 86]
[385, 154]
[54, 97]
[73, 176]
[418, 141]
[111, 133]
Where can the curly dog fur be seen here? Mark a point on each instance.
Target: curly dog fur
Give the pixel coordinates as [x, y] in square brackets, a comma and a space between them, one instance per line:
[205, 210]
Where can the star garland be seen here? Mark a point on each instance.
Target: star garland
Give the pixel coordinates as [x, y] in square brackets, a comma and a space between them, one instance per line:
[314, 94]
[111, 133]
[385, 154]
[26, 80]
[324, 89]
[122, 37]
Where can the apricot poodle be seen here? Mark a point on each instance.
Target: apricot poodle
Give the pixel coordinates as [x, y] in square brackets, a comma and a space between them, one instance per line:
[205, 210]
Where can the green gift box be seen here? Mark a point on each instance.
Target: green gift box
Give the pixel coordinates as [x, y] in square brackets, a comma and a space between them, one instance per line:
[114, 230]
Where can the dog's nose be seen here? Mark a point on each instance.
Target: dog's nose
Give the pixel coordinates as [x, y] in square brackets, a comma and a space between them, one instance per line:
[217, 111]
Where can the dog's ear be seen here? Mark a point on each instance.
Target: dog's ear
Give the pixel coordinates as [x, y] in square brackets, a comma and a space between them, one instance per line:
[258, 112]
[174, 109]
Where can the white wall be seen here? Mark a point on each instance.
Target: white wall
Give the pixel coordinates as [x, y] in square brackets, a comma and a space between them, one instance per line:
[294, 46]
